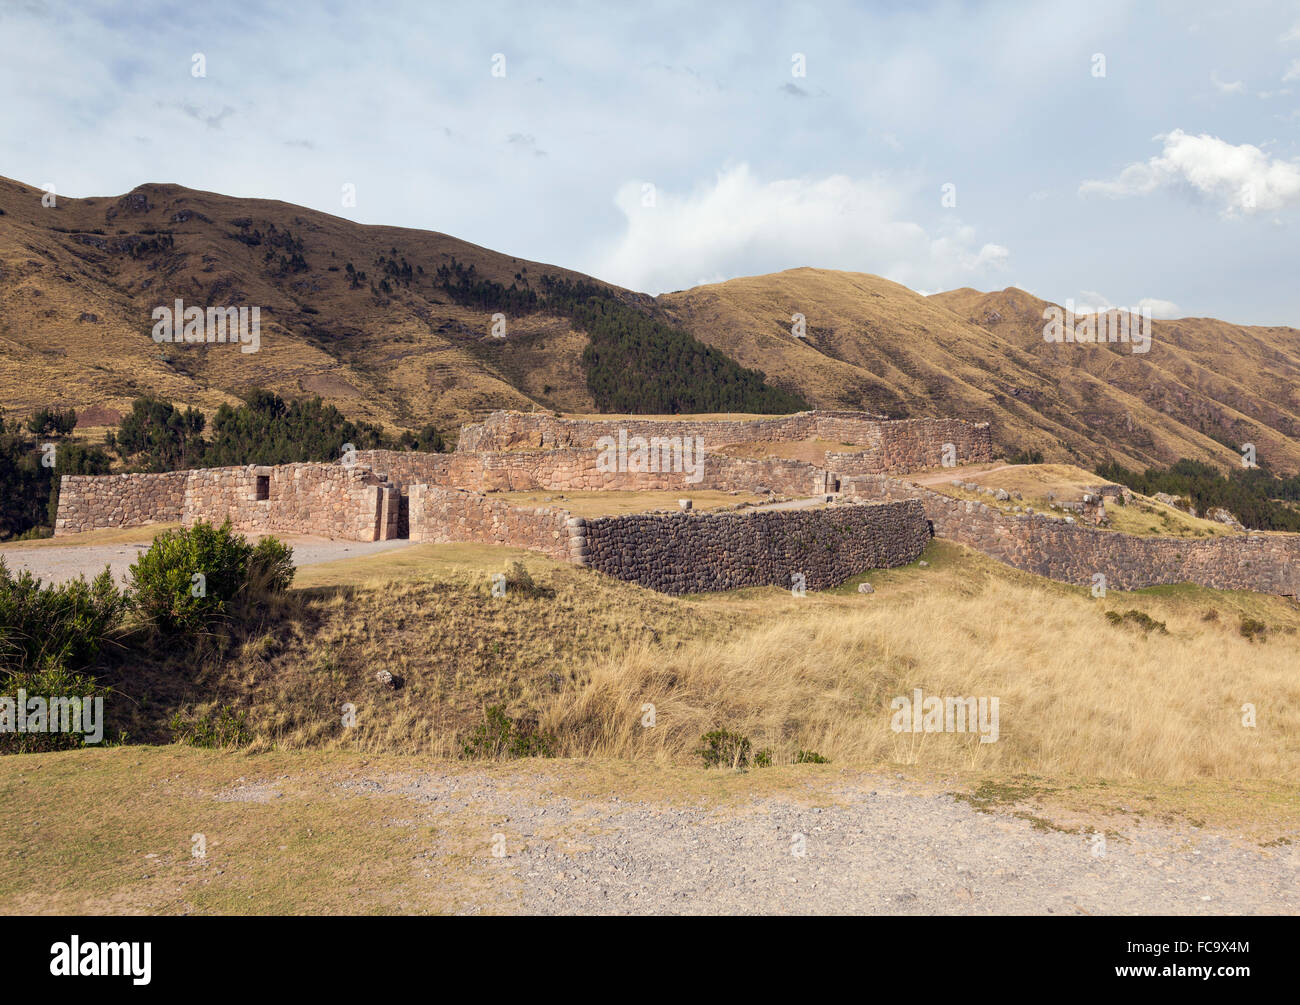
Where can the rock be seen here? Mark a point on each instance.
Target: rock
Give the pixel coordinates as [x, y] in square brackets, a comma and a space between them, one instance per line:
[866, 588]
[923, 564]
[684, 504]
[387, 679]
[1001, 495]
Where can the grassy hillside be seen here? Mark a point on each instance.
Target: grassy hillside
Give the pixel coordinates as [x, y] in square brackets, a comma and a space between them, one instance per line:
[579, 660]
[1205, 387]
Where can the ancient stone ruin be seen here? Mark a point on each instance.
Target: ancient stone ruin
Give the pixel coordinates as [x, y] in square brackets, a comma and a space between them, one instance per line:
[876, 518]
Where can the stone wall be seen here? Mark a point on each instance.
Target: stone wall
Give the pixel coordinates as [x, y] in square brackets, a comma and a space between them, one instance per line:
[577, 470]
[95, 502]
[1073, 553]
[897, 446]
[696, 553]
[329, 500]
[445, 515]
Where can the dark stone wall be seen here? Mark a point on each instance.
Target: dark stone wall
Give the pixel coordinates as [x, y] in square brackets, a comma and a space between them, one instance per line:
[698, 553]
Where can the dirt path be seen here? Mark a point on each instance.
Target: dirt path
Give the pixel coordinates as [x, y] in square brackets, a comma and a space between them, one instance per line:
[948, 474]
[59, 563]
[878, 847]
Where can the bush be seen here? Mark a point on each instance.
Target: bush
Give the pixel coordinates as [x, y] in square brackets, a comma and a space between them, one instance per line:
[1138, 618]
[500, 736]
[270, 567]
[60, 626]
[49, 682]
[191, 578]
[1252, 630]
[222, 727]
[810, 757]
[723, 748]
[1026, 457]
[520, 581]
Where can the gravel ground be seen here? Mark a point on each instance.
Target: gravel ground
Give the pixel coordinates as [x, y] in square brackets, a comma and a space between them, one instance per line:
[59, 562]
[877, 847]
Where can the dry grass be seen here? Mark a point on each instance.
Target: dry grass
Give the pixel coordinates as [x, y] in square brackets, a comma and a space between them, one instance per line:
[1143, 517]
[809, 451]
[113, 535]
[593, 504]
[1077, 695]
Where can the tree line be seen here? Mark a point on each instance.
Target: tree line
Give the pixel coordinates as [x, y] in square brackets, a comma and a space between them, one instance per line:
[635, 361]
[157, 436]
[1256, 496]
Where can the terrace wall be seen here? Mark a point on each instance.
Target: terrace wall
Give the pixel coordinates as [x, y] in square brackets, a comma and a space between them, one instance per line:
[96, 502]
[895, 445]
[1073, 553]
[696, 553]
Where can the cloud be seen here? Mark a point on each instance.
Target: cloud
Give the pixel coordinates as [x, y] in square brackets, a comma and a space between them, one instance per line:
[1227, 87]
[1292, 72]
[1092, 302]
[1241, 179]
[1292, 34]
[741, 225]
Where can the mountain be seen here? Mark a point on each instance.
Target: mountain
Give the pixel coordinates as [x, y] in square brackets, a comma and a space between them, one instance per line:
[79, 282]
[1203, 388]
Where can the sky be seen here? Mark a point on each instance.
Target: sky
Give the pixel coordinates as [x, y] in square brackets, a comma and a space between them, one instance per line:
[1112, 153]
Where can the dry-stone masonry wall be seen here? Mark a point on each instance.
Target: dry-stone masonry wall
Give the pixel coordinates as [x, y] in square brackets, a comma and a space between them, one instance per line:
[445, 515]
[94, 502]
[329, 500]
[696, 553]
[895, 446]
[576, 470]
[1073, 553]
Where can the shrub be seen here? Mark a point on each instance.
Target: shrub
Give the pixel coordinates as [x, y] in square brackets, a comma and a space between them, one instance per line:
[1026, 457]
[499, 736]
[190, 578]
[1138, 618]
[520, 581]
[810, 757]
[60, 626]
[270, 567]
[724, 748]
[1252, 630]
[222, 727]
[48, 682]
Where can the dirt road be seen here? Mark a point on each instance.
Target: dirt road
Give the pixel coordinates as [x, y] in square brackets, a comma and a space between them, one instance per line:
[882, 847]
[56, 563]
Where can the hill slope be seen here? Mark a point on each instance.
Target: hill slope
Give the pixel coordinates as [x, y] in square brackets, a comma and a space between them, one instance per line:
[78, 283]
[1204, 387]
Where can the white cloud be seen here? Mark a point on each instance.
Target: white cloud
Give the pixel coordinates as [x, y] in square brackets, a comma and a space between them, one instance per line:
[740, 225]
[1227, 87]
[1292, 71]
[1165, 309]
[1292, 34]
[1092, 302]
[1241, 179]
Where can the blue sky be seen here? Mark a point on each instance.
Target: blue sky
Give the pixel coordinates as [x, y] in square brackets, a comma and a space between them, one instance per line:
[660, 145]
